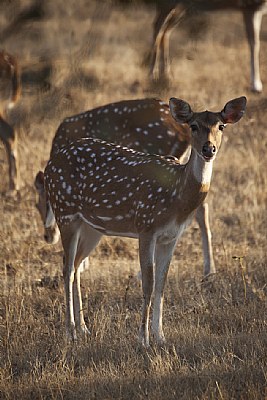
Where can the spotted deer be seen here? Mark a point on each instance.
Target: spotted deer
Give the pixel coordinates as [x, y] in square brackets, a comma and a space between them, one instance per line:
[144, 125]
[10, 89]
[170, 13]
[97, 188]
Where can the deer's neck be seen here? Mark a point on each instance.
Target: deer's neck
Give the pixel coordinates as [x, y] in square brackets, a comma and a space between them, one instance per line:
[201, 170]
[195, 184]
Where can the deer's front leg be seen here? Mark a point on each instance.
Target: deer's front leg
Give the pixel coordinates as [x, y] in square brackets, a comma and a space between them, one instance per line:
[202, 217]
[163, 258]
[146, 255]
[70, 249]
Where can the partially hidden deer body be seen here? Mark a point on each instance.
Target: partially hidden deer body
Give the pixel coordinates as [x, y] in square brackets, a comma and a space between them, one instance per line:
[144, 125]
[97, 188]
[170, 12]
[10, 89]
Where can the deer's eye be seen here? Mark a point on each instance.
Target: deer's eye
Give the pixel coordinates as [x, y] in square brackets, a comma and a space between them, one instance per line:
[221, 127]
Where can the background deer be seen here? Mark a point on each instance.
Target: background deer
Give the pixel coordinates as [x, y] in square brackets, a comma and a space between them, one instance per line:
[96, 188]
[171, 12]
[143, 125]
[10, 89]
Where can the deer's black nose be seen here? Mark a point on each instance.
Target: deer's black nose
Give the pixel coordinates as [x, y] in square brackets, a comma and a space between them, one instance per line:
[208, 150]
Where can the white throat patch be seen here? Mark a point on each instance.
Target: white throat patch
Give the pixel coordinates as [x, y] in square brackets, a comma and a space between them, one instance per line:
[202, 170]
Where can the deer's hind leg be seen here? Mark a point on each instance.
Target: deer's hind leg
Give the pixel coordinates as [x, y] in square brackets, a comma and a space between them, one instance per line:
[89, 239]
[78, 240]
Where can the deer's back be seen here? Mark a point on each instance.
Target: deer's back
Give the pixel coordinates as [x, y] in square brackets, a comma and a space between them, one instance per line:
[143, 125]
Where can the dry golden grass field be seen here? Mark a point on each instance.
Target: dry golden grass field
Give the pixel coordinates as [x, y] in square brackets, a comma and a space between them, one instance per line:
[79, 55]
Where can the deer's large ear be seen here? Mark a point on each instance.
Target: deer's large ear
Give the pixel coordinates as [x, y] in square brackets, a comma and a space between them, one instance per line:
[234, 110]
[180, 110]
[39, 181]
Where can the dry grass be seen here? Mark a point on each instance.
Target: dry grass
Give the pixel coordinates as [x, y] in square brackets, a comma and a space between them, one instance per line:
[79, 57]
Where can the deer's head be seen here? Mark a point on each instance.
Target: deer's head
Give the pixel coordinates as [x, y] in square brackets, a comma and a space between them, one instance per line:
[206, 127]
[51, 231]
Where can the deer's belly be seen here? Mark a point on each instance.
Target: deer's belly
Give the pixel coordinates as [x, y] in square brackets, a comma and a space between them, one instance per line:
[172, 231]
[104, 225]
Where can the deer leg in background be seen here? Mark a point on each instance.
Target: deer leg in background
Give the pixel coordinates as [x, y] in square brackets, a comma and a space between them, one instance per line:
[164, 60]
[16, 85]
[252, 19]
[160, 16]
[11, 148]
[160, 60]
[8, 137]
